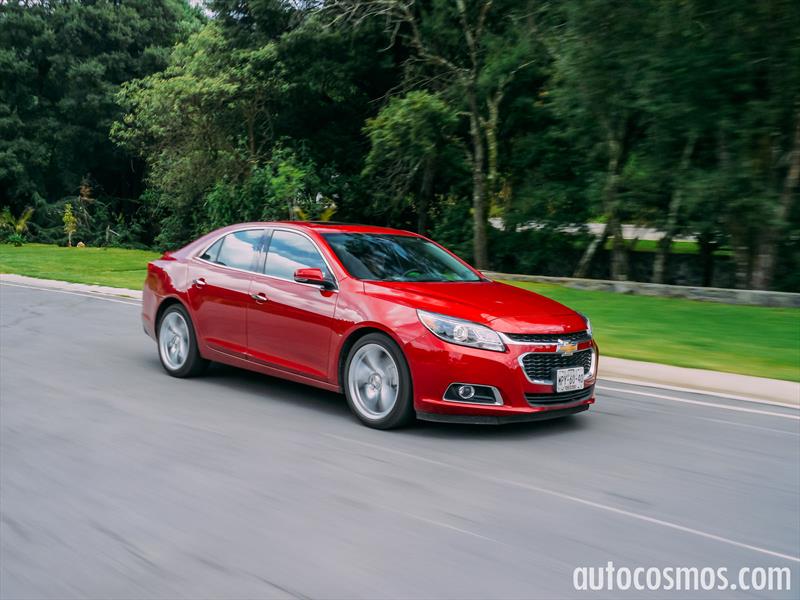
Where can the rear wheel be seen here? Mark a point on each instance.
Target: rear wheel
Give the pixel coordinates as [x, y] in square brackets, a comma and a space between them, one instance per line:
[177, 344]
[377, 383]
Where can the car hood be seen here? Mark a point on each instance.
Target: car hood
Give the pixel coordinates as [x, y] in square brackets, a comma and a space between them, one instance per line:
[504, 307]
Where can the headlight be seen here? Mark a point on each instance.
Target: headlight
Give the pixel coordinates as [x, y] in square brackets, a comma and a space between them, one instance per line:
[588, 324]
[463, 333]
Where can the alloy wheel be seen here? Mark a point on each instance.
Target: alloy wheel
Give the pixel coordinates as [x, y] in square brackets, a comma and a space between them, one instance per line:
[173, 340]
[374, 381]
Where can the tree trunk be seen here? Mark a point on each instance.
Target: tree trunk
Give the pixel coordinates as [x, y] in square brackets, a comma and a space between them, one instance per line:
[479, 241]
[662, 253]
[764, 267]
[492, 148]
[741, 261]
[613, 226]
[707, 247]
[665, 243]
[426, 195]
[582, 270]
[619, 252]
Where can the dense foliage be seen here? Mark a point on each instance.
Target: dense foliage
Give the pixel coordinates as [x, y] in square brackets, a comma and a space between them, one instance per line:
[157, 121]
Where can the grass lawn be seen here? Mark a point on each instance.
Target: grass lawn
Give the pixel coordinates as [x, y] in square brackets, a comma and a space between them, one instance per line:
[752, 340]
[652, 246]
[676, 248]
[115, 267]
[739, 339]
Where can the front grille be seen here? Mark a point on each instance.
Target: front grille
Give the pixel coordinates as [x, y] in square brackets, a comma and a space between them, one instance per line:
[548, 338]
[540, 365]
[562, 398]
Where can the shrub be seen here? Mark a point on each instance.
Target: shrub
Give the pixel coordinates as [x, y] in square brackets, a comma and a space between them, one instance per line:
[17, 239]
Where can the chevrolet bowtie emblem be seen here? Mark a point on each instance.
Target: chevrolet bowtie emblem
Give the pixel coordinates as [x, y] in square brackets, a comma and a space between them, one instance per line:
[566, 348]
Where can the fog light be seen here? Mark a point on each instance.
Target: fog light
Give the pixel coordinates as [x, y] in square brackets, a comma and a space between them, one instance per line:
[466, 391]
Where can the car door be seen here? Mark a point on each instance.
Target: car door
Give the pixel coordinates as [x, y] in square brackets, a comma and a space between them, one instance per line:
[219, 292]
[290, 327]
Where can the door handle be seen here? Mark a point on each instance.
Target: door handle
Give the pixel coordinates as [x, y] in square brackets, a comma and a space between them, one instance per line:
[260, 297]
[199, 282]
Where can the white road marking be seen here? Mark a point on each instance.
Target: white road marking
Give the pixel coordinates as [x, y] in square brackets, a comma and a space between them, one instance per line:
[85, 295]
[557, 494]
[748, 426]
[700, 403]
[448, 526]
[675, 388]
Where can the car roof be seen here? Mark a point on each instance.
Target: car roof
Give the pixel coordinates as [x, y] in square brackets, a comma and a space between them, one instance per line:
[331, 227]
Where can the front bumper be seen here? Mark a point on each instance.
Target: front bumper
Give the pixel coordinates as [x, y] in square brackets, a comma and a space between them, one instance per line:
[436, 364]
[502, 420]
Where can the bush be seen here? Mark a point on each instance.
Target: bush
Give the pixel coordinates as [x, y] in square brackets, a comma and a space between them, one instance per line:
[17, 239]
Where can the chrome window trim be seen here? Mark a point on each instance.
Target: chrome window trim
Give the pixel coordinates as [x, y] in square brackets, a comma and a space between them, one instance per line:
[314, 285]
[498, 397]
[588, 376]
[218, 238]
[265, 251]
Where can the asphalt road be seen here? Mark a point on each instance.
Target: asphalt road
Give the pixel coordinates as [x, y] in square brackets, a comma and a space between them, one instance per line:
[117, 481]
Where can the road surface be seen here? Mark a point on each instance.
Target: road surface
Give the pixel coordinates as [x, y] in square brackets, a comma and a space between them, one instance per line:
[117, 481]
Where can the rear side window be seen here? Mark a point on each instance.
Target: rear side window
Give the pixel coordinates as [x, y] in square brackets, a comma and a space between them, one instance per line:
[238, 250]
[213, 251]
[290, 251]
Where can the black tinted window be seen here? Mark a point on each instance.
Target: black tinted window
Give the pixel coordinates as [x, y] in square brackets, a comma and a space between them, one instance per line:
[239, 249]
[385, 257]
[290, 251]
[213, 251]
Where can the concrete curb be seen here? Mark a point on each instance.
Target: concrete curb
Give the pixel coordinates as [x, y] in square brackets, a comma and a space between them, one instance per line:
[715, 383]
[65, 286]
[706, 294]
[728, 385]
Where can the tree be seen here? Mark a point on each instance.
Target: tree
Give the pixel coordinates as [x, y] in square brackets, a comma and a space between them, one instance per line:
[473, 50]
[766, 258]
[16, 225]
[60, 65]
[70, 223]
[408, 140]
[598, 53]
[207, 117]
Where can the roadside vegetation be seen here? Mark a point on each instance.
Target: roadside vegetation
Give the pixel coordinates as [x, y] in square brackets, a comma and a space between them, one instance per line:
[751, 340]
[156, 120]
[115, 267]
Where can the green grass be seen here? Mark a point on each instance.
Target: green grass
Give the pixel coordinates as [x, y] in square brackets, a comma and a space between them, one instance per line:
[681, 247]
[652, 246]
[739, 339]
[115, 267]
[751, 340]
[676, 248]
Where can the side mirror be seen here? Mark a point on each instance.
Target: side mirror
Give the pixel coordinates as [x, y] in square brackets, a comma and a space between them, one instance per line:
[314, 276]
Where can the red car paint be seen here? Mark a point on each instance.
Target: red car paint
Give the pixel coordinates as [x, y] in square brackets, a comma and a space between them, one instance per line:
[302, 332]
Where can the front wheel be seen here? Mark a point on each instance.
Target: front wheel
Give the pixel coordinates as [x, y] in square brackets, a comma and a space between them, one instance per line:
[377, 383]
[177, 344]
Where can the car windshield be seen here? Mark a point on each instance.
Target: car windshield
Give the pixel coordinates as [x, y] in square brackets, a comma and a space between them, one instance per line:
[387, 257]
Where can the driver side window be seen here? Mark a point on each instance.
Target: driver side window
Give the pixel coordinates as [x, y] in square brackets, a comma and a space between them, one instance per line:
[289, 251]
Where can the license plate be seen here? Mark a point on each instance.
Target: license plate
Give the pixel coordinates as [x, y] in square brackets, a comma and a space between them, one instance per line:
[568, 380]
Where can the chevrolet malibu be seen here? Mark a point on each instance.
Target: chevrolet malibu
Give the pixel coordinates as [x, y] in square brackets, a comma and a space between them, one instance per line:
[399, 324]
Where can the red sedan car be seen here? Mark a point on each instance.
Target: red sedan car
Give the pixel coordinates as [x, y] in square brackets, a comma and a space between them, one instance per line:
[399, 324]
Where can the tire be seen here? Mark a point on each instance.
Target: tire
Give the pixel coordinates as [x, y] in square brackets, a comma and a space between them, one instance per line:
[177, 344]
[377, 383]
